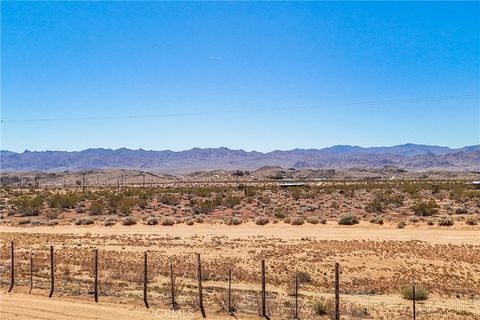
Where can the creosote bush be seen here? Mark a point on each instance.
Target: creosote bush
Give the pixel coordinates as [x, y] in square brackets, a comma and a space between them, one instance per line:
[168, 221]
[297, 221]
[425, 208]
[471, 221]
[446, 222]
[128, 221]
[348, 220]
[262, 220]
[420, 293]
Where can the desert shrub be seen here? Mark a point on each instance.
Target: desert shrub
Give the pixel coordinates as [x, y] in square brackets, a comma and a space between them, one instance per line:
[28, 205]
[109, 223]
[425, 208]
[374, 206]
[324, 308]
[411, 189]
[313, 220]
[221, 298]
[297, 221]
[376, 220]
[128, 221]
[446, 222]
[199, 219]
[430, 222]
[304, 277]
[169, 199]
[63, 201]
[461, 211]
[402, 224]
[152, 221]
[413, 219]
[420, 293]
[87, 221]
[471, 221]
[52, 215]
[279, 214]
[168, 221]
[348, 220]
[24, 221]
[97, 207]
[189, 222]
[232, 221]
[262, 220]
[52, 223]
[231, 201]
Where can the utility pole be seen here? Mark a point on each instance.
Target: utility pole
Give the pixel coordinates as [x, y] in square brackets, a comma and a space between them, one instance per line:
[83, 182]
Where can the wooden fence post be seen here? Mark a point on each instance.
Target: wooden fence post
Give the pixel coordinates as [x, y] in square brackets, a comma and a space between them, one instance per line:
[12, 267]
[337, 291]
[52, 273]
[172, 283]
[200, 291]
[95, 286]
[264, 295]
[145, 280]
[31, 273]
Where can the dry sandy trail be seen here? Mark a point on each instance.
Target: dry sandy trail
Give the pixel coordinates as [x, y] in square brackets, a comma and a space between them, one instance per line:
[364, 231]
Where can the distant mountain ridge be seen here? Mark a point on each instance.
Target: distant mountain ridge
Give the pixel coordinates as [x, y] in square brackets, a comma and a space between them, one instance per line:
[406, 156]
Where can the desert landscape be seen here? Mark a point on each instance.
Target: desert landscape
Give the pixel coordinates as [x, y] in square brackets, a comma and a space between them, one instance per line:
[383, 233]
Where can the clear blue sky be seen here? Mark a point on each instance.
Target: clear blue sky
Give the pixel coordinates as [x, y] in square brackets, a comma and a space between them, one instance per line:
[257, 76]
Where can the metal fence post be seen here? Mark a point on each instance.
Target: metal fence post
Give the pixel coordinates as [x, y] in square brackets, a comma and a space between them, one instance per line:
[230, 311]
[31, 273]
[264, 295]
[12, 267]
[95, 288]
[414, 300]
[52, 273]
[337, 291]
[296, 297]
[145, 279]
[172, 283]
[200, 291]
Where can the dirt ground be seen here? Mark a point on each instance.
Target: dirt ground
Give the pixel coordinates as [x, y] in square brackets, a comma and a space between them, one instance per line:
[376, 262]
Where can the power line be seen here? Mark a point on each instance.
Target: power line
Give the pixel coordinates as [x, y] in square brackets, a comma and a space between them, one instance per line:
[248, 110]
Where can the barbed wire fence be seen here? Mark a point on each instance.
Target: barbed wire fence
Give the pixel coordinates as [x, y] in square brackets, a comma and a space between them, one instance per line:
[173, 282]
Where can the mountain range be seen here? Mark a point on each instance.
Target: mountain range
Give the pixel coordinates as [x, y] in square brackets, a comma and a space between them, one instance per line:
[407, 156]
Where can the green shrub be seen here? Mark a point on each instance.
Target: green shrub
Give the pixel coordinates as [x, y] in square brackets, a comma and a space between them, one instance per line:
[63, 201]
[425, 208]
[348, 220]
[420, 293]
[374, 206]
[28, 205]
[97, 207]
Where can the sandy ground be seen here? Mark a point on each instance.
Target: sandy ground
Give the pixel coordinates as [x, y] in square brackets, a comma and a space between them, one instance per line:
[21, 306]
[363, 231]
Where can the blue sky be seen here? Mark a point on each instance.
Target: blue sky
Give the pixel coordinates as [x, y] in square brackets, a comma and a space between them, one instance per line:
[256, 76]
